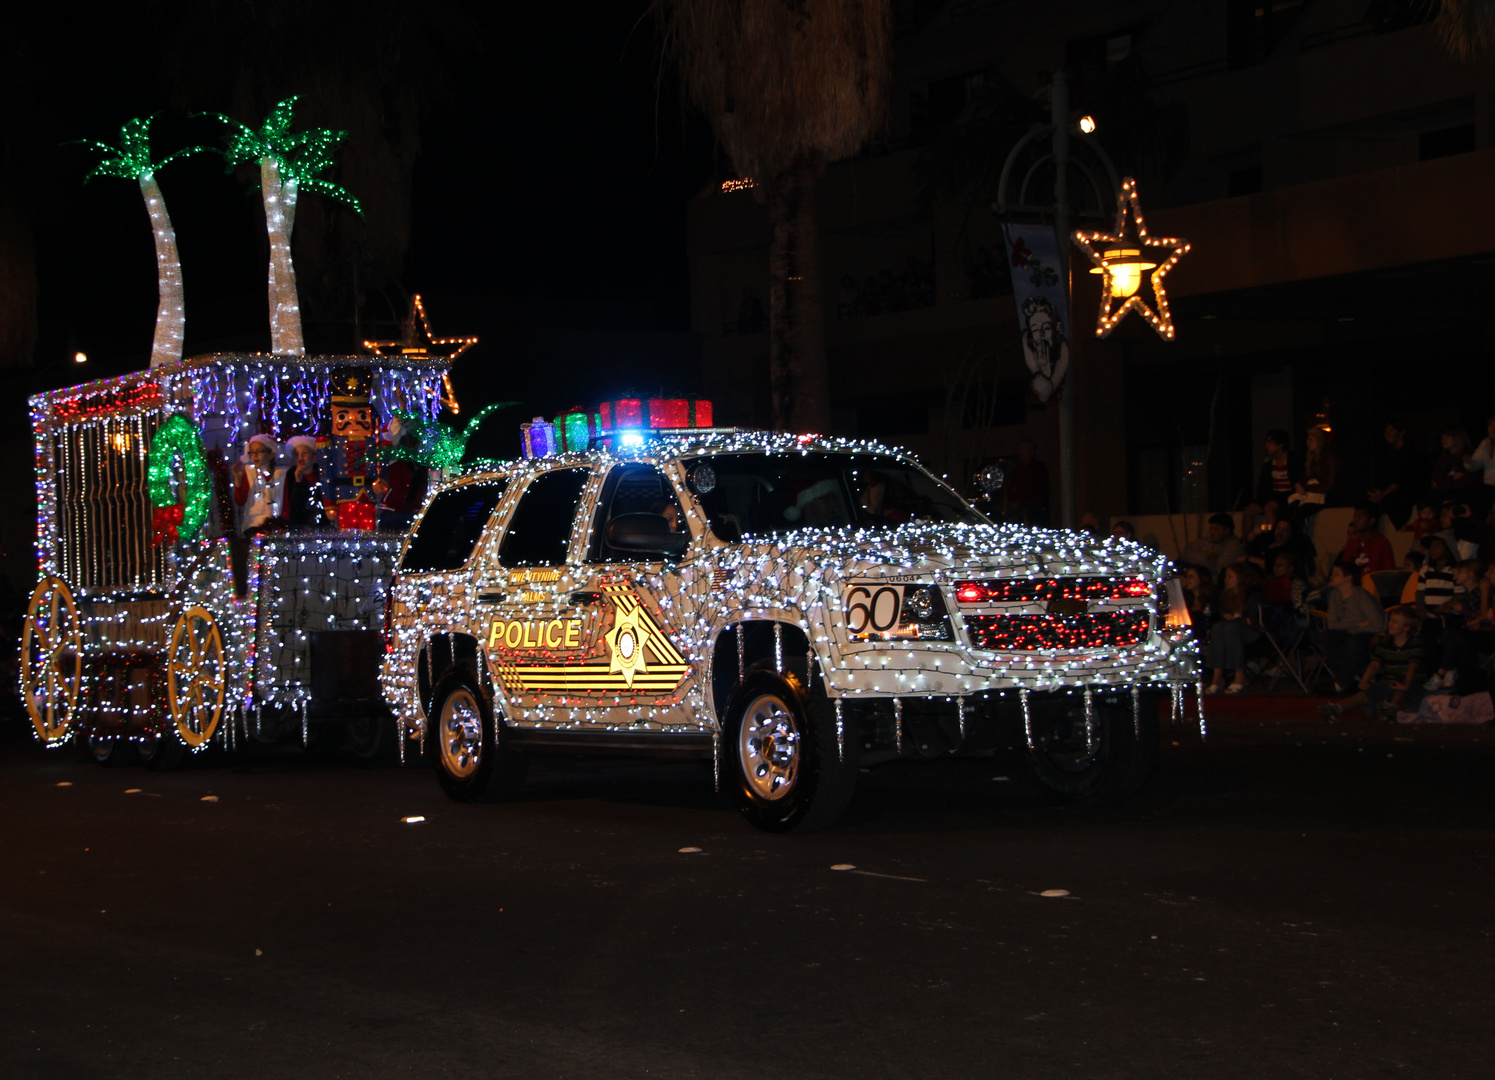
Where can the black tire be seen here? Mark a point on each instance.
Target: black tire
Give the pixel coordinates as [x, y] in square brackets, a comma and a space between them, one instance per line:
[374, 737]
[1125, 751]
[802, 792]
[163, 753]
[110, 752]
[470, 751]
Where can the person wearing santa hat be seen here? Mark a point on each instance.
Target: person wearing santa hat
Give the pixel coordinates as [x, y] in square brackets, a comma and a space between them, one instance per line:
[260, 486]
[306, 501]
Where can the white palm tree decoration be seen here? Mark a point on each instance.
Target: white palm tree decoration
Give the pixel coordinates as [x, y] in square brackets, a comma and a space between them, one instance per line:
[289, 163]
[131, 160]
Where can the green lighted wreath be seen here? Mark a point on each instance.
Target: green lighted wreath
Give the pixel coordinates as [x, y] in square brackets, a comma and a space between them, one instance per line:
[179, 436]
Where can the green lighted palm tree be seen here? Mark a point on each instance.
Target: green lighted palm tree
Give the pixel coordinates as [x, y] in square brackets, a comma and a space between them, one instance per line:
[290, 162]
[131, 160]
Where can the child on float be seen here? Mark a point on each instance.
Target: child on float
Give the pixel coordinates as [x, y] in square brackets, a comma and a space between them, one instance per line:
[1389, 683]
[259, 487]
[306, 499]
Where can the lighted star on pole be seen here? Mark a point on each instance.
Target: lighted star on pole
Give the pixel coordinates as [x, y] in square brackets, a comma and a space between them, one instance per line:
[418, 342]
[1124, 260]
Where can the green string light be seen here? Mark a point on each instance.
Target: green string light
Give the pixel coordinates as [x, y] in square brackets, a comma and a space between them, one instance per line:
[178, 437]
[300, 156]
[439, 446]
[131, 159]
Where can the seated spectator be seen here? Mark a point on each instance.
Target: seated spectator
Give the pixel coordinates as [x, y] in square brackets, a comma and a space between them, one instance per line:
[1234, 627]
[1284, 538]
[1364, 546]
[1199, 595]
[1459, 530]
[1278, 478]
[1283, 593]
[1464, 615]
[1124, 530]
[1399, 473]
[1319, 486]
[1352, 618]
[1451, 477]
[1218, 548]
[1481, 464]
[1424, 524]
[1436, 585]
[1389, 682]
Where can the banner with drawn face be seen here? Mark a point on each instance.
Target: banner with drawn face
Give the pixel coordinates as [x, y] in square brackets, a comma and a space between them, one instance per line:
[1038, 287]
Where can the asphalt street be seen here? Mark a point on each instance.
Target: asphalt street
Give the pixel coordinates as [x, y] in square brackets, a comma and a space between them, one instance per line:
[1282, 901]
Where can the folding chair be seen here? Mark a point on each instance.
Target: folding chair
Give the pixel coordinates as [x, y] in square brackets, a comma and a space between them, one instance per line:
[1296, 656]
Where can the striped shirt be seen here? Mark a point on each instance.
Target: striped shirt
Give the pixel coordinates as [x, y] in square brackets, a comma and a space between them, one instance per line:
[1395, 659]
[1436, 586]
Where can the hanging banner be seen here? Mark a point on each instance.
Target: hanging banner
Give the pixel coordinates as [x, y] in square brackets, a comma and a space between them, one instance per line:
[1042, 304]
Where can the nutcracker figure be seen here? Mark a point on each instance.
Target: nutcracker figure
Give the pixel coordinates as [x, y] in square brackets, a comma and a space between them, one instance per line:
[347, 450]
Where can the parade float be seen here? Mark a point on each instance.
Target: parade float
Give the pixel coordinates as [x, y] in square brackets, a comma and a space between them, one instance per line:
[196, 588]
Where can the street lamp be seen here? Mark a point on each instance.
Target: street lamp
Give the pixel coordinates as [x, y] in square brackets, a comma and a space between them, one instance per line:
[1123, 268]
[1103, 184]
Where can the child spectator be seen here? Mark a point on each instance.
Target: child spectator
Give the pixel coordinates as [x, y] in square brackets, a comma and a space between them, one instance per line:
[1461, 615]
[1390, 679]
[1282, 594]
[1352, 619]
[1423, 525]
[1451, 476]
[1278, 478]
[1436, 586]
[1199, 594]
[1233, 629]
[1364, 546]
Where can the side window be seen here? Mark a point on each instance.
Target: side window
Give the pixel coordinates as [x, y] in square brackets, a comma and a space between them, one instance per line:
[450, 528]
[539, 529]
[632, 489]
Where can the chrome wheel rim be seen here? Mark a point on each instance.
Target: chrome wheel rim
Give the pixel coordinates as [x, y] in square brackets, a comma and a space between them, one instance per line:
[768, 748]
[460, 734]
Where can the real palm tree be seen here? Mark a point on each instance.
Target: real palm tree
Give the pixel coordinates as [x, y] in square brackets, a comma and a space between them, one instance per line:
[1466, 26]
[789, 86]
[289, 163]
[131, 160]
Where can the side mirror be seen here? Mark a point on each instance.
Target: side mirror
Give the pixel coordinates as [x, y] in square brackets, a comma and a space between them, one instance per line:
[648, 534]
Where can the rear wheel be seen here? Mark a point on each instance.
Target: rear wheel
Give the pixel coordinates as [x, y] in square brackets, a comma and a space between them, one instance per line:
[787, 772]
[109, 751]
[1109, 763]
[163, 752]
[468, 746]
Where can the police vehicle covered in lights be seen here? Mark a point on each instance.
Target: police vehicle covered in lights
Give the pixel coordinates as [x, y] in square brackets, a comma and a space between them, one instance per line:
[790, 608]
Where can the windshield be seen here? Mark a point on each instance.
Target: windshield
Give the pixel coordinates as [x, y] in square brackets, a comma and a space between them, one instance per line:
[777, 493]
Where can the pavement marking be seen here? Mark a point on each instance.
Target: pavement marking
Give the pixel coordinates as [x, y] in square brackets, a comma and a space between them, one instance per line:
[132, 791]
[209, 798]
[1054, 892]
[414, 819]
[690, 851]
[850, 869]
[64, 783]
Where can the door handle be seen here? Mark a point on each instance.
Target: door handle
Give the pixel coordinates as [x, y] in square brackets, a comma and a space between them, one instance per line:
[492, 596]
[584, 599]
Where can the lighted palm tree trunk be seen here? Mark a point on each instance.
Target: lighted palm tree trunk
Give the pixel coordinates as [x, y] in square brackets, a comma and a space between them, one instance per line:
[280, 219]
[171, 311]
[800, 381]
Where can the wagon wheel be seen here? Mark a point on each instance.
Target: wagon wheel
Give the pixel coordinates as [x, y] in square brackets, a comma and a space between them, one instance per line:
[196, 676]
[51, 658]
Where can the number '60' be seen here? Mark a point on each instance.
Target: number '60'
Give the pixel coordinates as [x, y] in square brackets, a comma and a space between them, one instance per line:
[868, 610]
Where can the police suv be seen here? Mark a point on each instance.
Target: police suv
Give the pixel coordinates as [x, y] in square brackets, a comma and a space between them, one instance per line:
[789, 607]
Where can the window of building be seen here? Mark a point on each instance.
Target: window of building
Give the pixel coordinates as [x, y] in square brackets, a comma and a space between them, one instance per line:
[1253, 28]
[1245, 181]
[1445, 142]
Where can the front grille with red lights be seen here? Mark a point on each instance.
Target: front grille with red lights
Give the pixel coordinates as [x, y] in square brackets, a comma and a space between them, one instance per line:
[1041, 591]
[1058, 633]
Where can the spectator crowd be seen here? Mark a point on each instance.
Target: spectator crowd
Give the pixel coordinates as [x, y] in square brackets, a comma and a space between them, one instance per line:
[1387, 633]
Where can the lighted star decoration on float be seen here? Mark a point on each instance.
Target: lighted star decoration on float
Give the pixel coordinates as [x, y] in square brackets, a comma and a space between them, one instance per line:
[1124, 261]
[418, 342]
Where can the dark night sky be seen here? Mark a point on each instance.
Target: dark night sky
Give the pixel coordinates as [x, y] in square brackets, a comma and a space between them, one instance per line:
[555, 173]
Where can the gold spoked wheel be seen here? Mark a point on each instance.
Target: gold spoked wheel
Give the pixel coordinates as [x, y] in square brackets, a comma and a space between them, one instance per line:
[196, 678]
[51, 658]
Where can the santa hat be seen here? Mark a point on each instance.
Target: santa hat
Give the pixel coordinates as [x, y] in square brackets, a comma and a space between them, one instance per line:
[301, 440]
[818, 490]
[267, 440]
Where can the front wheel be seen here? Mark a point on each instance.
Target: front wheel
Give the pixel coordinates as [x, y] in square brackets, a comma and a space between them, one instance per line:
[789, 772]
[470, 749]
[1107, 760]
